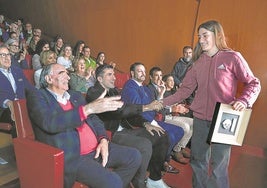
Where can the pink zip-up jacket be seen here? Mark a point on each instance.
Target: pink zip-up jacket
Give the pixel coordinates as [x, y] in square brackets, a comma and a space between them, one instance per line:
[215, 79]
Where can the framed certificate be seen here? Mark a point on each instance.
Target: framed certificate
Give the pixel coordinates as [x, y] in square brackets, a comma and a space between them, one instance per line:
[228, 126]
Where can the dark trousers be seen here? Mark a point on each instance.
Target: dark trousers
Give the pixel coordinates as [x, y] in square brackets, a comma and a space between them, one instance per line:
[152, 148]
[124, 162]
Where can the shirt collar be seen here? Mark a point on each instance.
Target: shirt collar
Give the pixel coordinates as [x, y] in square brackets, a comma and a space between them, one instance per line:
[5, 70]
[139, 84]
[60, 98]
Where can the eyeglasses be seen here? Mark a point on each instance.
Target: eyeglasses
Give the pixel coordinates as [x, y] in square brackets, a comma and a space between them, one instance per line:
[3, 55]
[14, 45]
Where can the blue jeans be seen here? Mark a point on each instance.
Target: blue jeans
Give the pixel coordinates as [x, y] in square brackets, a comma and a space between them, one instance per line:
[209, 162]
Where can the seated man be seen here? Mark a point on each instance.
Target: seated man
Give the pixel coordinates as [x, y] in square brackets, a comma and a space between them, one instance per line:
[134, 92]
[140, 138]
[64, 120]
[14, 85]
[157, 87]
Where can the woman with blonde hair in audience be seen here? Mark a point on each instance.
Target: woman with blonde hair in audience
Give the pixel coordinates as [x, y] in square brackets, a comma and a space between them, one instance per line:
[82, 78]
[46, 57]
[66, 57]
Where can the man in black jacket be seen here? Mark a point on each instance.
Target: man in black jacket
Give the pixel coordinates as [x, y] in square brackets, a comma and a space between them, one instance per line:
[151, 141]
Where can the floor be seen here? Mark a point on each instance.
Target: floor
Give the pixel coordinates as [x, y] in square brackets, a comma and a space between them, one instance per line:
[248, 169]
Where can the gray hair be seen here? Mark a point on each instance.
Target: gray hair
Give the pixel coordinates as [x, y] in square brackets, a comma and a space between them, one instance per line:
[47, 69]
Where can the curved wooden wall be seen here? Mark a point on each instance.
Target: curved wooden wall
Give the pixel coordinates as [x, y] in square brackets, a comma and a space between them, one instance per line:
[154, 33]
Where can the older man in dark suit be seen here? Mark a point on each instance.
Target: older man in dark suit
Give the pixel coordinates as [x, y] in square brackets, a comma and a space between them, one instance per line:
[13, 85]
[63, 119]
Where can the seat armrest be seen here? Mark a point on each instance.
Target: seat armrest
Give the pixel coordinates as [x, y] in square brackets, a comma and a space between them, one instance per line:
[5, 126]
[39, 165]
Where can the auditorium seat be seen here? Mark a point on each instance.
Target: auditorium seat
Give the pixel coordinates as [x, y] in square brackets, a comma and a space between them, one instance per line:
[39, 165]
[29, 73]
[121, 79]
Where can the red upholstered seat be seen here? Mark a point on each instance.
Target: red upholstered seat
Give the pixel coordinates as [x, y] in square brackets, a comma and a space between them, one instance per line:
[121, 79]
[39, 165]
[29, 73]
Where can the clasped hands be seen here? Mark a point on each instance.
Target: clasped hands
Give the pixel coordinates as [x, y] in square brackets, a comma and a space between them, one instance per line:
[154, 105]
[180, 108]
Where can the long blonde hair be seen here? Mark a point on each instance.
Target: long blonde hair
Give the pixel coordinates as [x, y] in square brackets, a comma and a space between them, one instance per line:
[220, 41]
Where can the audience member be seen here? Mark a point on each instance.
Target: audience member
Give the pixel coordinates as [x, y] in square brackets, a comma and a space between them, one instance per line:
[63, 119]
[42, 45]
[57, 45]
[32, 45]
[134, 92]
[66, 58]
[82, 78]
[37, 31]
[157, 88]
[100, 60]
[185, 122]
[89, 62]
[14, 85]
[13, 27]
[17, 56]
[3, 27]
[13, 35]
[46, 57]
[20, 23]
[140, 138]
[215, 73]
[180, 69]
[182, 65]
[78, 48]
[28, 33]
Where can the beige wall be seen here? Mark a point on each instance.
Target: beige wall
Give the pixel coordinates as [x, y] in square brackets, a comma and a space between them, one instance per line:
[154, 32]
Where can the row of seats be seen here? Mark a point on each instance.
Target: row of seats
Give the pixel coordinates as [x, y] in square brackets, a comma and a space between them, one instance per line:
[41, 165]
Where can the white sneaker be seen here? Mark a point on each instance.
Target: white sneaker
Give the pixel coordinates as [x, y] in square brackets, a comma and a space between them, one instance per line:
[156, 184]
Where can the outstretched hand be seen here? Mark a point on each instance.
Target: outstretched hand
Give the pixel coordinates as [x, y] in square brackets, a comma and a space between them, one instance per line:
[180, 108]
[103, 104]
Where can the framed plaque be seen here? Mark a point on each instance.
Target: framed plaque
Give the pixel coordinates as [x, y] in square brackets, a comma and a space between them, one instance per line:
[228, 126]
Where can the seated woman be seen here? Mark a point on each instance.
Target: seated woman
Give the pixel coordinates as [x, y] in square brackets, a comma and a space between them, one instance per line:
[81, 79]
[65, 58]
[185, 122]
[100, 60]
[46, 57]
[57, 45]
[41, 46]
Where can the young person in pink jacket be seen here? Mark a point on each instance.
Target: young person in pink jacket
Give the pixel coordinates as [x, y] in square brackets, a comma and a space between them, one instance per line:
[215, 73]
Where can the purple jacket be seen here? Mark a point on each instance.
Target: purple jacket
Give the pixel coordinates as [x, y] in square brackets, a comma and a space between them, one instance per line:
[216, 80]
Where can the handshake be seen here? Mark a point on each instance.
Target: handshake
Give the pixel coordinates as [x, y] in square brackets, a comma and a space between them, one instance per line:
[155, 105]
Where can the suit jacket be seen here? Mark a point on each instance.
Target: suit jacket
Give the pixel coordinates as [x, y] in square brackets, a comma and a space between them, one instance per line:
[127, 116]
[132, 93]
[56, 127]
[155, 93]
[6, 90]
